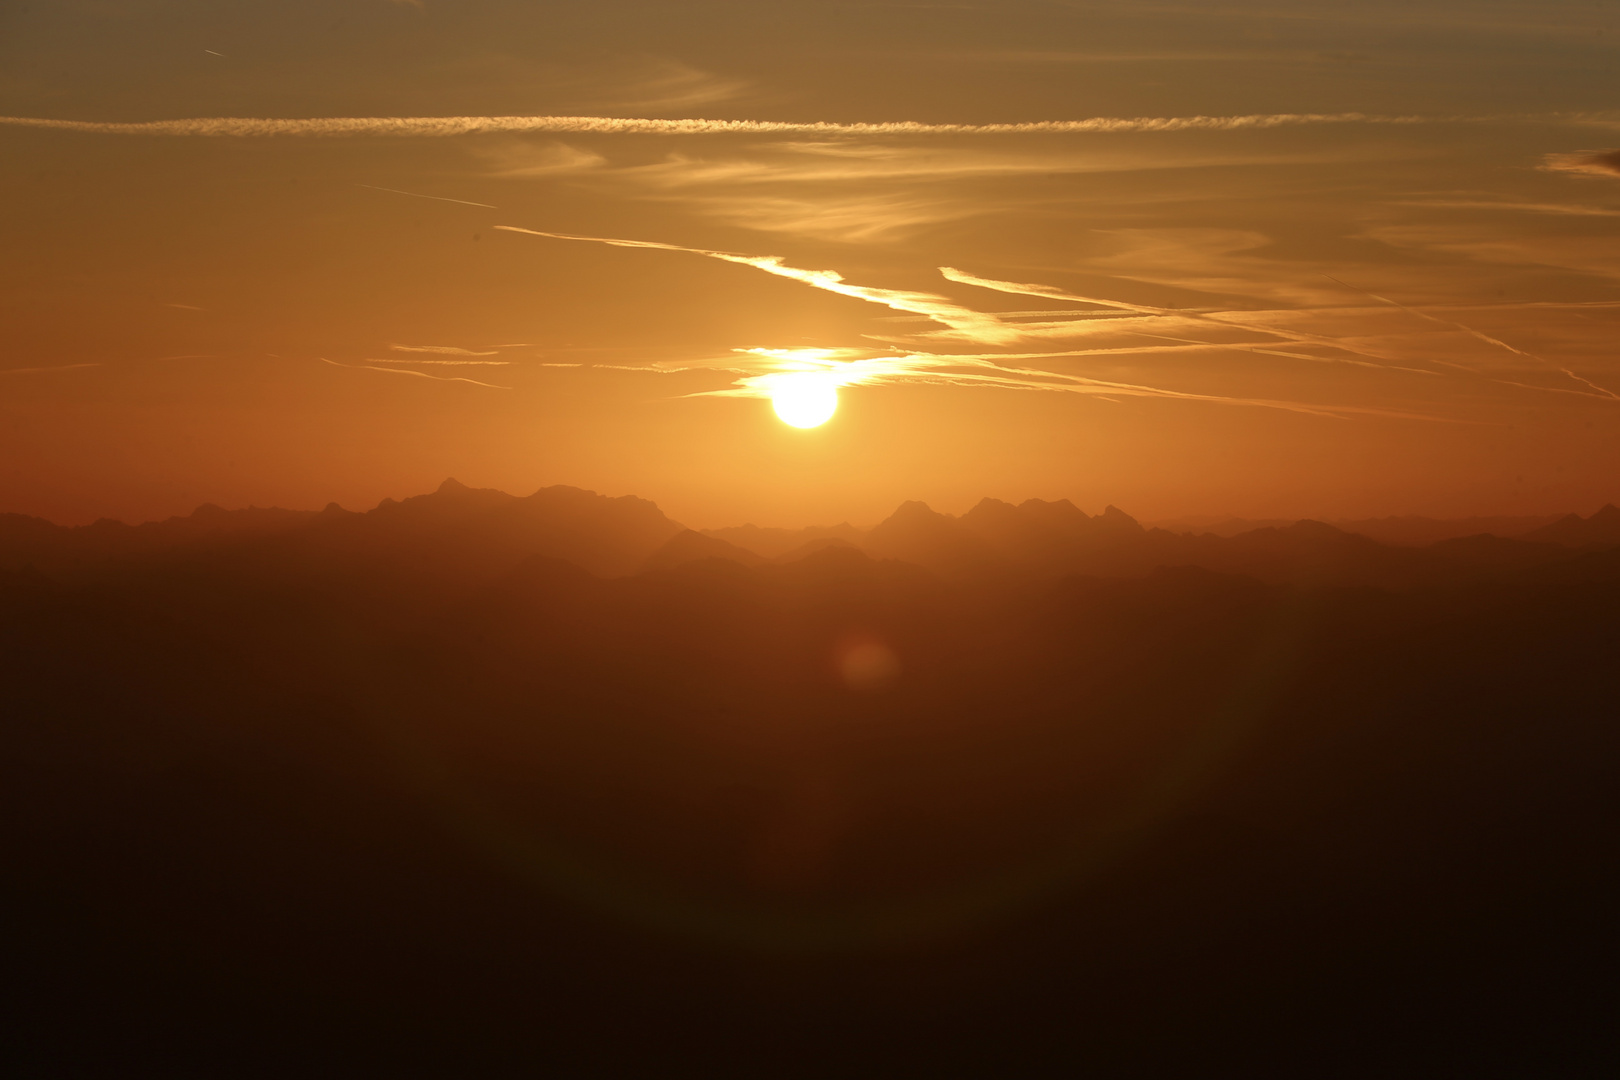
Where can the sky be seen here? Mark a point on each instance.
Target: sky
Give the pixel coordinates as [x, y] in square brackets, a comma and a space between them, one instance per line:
[1271, 260]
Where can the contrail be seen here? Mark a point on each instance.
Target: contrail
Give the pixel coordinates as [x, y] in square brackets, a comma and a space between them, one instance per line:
[976, 325]
[419, 195]
[445, 126]
[36, 370]
[1480, 335]
[418, 374]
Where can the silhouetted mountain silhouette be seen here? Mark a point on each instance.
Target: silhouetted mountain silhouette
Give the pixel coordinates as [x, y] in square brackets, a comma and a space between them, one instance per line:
[1602, 529]
[688, 546]
[458, 537]
[775, 543]
[471, 782]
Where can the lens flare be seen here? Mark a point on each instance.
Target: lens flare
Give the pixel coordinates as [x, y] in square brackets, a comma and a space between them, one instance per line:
[804, 399]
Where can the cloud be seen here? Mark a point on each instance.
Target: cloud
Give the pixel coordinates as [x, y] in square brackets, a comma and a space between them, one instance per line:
[950, 273]
[1588, 162]
[514, 158]
[1375, 351]
[40, 370]
[1492, 341]
[861, 189]
[419, 195]
[1165, 328]
[452, 363]
[418, 374]
[1566, 209]
[823, 161]
[1588, 252]
[447, 350]
[855, 218]
[1173, 319]
[447, 126]
[669, 85]
[973, 325]
[760, 369]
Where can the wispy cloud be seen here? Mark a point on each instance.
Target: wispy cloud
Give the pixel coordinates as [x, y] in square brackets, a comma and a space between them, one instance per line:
[447, 363]
[826, 214]
[1489, 340]
[1158, 330]
[1565, 209]
[830, 161]
[1589, 162]
[42, 370]
[419, 195]
[1393, 352]
[1172, 320]
[446, 126]
[1587, 252]
[667, 85]
[445, 350]
[850, 367]
[418, 374]
[761, 370]
[518, 158]
[974, 325]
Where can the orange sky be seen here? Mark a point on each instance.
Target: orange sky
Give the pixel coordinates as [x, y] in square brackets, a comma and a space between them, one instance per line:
[1276, 310]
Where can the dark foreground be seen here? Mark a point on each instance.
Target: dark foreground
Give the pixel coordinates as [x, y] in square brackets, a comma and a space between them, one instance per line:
[284, 807]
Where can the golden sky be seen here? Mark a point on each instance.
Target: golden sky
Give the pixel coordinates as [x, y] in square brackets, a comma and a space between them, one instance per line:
[1270, 259]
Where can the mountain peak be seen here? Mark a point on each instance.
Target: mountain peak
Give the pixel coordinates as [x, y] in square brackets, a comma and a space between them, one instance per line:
[688, 546]
[1113, 517]
[912, 509]
[451, 486]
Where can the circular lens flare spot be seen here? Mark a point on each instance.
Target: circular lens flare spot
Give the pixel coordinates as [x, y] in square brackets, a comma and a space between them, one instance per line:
[865, 662]
[804, 400]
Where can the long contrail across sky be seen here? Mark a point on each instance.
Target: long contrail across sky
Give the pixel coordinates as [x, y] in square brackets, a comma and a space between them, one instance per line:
[444, 126]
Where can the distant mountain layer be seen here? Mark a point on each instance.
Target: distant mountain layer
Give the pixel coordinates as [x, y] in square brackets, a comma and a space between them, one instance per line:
[774, 543]
[1406, 531]
[476, 782]
[459, 537]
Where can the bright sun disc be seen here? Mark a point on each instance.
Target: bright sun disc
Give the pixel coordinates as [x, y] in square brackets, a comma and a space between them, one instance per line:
[804, 400]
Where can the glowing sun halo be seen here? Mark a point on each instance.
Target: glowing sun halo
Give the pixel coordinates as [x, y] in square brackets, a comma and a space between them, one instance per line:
[804, 400]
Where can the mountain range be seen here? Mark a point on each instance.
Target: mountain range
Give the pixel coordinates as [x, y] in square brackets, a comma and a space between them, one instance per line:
[460, 783]
[459, 537]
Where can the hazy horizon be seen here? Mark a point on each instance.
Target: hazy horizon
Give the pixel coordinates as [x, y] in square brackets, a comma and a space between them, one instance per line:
[1188, 520]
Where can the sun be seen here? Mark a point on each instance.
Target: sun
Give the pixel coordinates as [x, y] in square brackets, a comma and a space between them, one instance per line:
[804, 399]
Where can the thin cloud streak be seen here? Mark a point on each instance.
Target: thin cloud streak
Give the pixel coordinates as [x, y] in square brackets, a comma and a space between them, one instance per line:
[1226, 320]
[763, 367]
[1591, 163]
[418, 374]
[36, 370]
[435, 198]
[453, 363]
[982, 328]
[448, 126]
[445, 350]
[975, 325]
[1488, 339]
